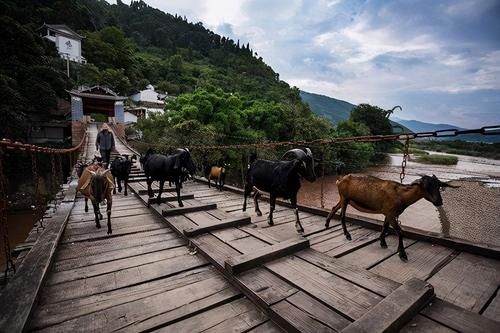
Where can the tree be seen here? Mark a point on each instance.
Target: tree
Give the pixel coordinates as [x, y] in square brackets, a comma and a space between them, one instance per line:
[116, 80]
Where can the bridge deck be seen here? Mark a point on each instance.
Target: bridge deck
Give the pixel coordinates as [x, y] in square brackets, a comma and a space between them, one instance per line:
[145, 278]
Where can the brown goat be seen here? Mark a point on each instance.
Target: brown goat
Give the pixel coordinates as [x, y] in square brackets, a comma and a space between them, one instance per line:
[96, 184]
[373, 195]
[219, 174]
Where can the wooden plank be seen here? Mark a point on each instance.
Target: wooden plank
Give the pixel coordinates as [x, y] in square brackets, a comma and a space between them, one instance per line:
[266, 286]
[179, 302]
[359, 239]
[98, 234]
[369, 280]
[372, 254]
[106, 257]
[266, 327]
[468, 281]
[227, 223]
[17, 301]
[51, 314]
[493, 309]
[247, 245]
[259, 256]
[318, 311]
[190, 209]
[343, 296]
[214, 249]
[145, 192]
[240, 314]
[340, 240]
[120, 279]
[423, 259]
[171, 199]
[421, 324]
[293, 319]
[459, 319]
[394, 311]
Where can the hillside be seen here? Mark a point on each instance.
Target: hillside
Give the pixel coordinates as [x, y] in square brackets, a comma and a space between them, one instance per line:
[420, 126]
[335, 110]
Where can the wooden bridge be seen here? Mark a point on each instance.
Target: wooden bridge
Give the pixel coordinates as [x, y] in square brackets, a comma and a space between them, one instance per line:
[209, 267]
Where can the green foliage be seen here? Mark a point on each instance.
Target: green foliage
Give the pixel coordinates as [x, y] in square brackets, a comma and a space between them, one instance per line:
[479, 149]
[99, 117]
[438, 159]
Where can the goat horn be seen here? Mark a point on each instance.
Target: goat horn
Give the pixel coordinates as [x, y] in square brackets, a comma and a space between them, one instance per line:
[295, 153]
[92, 173]
[309, 152]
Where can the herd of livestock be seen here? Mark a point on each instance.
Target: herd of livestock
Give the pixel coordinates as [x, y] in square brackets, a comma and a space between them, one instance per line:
[281, 179]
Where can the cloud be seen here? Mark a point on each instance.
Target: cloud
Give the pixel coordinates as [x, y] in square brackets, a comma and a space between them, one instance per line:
[416, 53]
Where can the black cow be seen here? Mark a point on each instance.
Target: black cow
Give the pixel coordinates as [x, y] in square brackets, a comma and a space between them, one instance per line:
[173, 168]
[120, 169]
[279, 179]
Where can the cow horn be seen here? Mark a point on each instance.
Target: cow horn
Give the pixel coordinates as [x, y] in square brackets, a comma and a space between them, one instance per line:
[295, 153]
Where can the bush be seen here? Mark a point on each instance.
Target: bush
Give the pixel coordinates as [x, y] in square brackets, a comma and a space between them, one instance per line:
[99, 117]
[438, 159]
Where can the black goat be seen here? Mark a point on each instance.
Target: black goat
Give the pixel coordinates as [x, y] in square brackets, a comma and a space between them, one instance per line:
[120, 169]
[173, 168]
[279, 179]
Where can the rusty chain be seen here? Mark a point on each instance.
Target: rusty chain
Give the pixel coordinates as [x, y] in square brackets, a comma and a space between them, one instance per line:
[405, 158]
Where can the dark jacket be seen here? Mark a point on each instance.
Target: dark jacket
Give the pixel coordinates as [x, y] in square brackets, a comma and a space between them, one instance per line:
[105, 140]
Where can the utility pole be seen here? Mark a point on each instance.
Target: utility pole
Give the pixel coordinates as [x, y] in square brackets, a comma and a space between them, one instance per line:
[67, 64]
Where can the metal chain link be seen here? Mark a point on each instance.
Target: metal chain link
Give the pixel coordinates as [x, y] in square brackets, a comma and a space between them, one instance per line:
[4, 229]
[403, 163]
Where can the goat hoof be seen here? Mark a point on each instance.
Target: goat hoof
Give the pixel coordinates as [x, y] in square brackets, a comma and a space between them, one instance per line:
[383, 245]
[100, 216]
[98, 226]
[403, 256]
[86, 209]
[181, 204]
[120, 190]
[259, 213]
[300, 230]
[114, 191]
[125, 194]
[271, 223]
[151, 195]
[110, 231]
[348, 236]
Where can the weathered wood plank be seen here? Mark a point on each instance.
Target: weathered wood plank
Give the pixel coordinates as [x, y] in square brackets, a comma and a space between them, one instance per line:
[459, 319]
[394, 311]
[156, 190]
[185, 210]
[120, 279]
[369, 280]
[296, 320]
[423, 259]
[259, 256]
[102, 234]
[493, 309]
[227, 223]
[214, 249]
[171, 199]
[266, 327]
[106, 257]
[468, 281]
[346, 297]
[248, 245]
[51, 314]
[240, 313]
[268, 287]
[318, 311]
[372, 254]
[17, 301]
[421, 324]
[136, 311]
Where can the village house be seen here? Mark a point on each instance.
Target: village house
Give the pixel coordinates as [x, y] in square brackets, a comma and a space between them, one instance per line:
[68, 42]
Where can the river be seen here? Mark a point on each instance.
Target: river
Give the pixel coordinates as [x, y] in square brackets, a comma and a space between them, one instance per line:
[470, 212]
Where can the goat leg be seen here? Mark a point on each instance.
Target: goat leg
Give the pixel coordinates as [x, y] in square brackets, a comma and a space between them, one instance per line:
[298, 225]
[96, 213]
[248, 190]
[272, 204]
[256, 202]
[114, 184]
[209, 181]
[86, 205]
[119, 185]
[332, 212]
[178, 190]
[344, 204]
[383, 244]
[149, 181]
[401, 248]
[125, 185]
[108, 211]
[158, 198]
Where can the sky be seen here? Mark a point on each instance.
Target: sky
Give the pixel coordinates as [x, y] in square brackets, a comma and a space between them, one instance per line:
[439, 60]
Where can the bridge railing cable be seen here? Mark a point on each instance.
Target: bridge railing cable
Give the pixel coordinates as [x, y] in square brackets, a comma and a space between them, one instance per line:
[55, 177]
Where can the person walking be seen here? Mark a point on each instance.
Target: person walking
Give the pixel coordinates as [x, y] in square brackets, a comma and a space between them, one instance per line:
[106, 142]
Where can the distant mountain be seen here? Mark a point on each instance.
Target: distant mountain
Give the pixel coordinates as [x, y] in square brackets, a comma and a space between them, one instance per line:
[420, 126]
[335, 110]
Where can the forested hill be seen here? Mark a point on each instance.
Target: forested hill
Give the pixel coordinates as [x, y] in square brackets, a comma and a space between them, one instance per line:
[330, 108]
[129, 46]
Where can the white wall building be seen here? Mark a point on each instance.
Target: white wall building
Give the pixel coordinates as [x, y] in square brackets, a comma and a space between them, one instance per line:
[68, 42]
[148, 95]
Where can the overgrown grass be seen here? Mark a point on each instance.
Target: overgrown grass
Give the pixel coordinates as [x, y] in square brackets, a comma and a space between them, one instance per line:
[437, 159]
